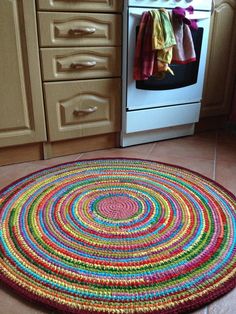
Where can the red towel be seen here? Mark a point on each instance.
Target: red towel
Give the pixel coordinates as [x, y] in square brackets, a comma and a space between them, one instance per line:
[148, 54]
[144, 55]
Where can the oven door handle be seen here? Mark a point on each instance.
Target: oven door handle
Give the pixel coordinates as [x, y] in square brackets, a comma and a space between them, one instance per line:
[198, 16]
[195, 16]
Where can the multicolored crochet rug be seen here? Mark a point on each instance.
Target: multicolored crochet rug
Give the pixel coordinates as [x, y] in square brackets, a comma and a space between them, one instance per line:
[118, 236]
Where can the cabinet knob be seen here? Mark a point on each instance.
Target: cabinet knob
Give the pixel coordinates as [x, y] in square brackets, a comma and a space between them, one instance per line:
[78, 111]
[81, 31]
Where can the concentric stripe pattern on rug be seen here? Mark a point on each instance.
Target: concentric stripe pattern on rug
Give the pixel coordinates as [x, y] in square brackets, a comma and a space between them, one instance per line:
[118, 236]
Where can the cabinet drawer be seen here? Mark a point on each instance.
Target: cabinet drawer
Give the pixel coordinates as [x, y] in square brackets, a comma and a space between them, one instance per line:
[81, 5]
[82, 108]
[79, 29]
[80, 63]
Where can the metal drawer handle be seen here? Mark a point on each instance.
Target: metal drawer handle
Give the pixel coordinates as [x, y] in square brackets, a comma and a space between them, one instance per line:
[82, 31]
[86, 64]
[77, 111]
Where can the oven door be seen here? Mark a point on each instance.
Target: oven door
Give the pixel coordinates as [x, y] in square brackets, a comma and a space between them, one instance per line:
[183, 88]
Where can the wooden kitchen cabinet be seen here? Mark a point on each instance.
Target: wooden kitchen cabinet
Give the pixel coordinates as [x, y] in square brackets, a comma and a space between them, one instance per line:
[81, 77]
[221, 64]
[82, 108]
[80, 63]
[79, 29]
[80, 47]
[78, 5]
[21, 103]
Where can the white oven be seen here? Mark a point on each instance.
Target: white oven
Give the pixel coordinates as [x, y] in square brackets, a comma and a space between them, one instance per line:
[159, 109]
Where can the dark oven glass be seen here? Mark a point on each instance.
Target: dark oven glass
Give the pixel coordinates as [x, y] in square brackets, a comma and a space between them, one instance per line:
[185, 74]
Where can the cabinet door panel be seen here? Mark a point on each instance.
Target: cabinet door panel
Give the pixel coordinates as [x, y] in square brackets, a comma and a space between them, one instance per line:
[21, 104]
[82, 108]
[79, 29]
[221, 60]
[80, 63]
[81, 5]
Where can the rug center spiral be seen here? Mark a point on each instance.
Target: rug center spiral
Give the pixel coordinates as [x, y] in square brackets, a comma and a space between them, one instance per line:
[118, 207]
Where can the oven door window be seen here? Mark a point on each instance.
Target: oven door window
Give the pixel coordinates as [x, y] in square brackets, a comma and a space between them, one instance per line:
[185, 74]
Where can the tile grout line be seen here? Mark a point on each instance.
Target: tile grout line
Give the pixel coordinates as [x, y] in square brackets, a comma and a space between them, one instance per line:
[215, 153]
[79, 156]
[150, 150]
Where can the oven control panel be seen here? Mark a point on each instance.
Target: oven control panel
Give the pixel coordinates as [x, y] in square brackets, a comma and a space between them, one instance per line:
[197, 4]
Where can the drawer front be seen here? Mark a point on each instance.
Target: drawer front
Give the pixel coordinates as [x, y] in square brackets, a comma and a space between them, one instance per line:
[160, 118]
[81, 5]
[82, 108]
[79, 29]
[80, 63]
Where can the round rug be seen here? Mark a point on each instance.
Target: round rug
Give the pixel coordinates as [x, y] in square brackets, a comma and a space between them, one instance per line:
[118, 236]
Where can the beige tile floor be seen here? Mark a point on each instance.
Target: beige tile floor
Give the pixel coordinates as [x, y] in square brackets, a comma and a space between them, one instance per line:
[212, 154]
